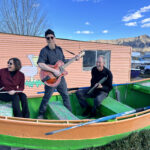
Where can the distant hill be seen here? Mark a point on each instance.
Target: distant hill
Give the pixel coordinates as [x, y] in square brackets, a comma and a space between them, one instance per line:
[140, 43]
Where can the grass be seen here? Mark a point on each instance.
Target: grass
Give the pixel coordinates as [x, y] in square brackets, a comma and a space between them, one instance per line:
[135, 141]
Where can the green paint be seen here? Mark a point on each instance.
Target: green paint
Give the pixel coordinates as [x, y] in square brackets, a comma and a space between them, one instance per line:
[6, 109]
[141, 88]
[128, 95]
[60, 144]
[133, 97]
[30, 83]
[111, 106]
[60, 112]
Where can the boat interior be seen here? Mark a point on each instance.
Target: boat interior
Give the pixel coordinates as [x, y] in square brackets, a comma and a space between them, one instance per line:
[122, 98]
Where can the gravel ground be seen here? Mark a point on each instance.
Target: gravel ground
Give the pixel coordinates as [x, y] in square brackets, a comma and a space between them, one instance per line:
[12, 148]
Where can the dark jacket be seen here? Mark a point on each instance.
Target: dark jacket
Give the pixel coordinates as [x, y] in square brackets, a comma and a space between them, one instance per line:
[97, 76]
[9, 82]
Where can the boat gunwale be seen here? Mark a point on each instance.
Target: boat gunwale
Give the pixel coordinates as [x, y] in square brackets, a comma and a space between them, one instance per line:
[72, 91]
[71, 122]
[112, 128]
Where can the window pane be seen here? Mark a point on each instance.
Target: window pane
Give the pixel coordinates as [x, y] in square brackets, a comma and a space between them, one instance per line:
[89, 60]
[106, 54]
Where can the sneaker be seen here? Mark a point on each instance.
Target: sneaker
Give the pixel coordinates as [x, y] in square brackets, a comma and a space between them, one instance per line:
[86, 112]
[40, 117]
[92, 116]
[93, 113]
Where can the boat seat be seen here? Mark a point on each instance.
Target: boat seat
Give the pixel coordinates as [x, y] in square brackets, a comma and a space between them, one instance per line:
[6, 109]
[142, 87]
[58, 111]
[110, 106]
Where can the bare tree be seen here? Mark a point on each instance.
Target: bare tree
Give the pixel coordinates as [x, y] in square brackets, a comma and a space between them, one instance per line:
[22, 17]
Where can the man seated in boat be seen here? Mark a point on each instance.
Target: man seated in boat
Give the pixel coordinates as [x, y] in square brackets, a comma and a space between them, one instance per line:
[100, 90]
[12, 86]
[50, 55]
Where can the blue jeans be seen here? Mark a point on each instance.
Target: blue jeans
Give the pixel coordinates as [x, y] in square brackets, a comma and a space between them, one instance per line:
[62, 89]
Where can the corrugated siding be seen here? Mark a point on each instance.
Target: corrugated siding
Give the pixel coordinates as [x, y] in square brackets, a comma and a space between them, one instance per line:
[22, 46]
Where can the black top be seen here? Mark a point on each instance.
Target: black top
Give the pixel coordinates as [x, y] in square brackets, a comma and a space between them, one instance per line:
[12, 73]
[50, 57]
[97, 76]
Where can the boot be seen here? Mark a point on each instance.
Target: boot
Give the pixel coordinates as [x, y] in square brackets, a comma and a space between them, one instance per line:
[93, 113]
[40, 117]
[86, 112]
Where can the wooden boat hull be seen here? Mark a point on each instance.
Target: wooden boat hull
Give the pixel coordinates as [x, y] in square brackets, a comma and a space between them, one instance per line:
[30, 133]
[33, 132]
[37, 129]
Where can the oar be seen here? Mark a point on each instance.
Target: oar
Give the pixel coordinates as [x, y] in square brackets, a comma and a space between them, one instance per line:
[69, 89]
[99, 120]
[8, 91]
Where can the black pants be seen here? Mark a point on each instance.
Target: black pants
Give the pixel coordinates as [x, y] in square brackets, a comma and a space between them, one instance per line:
[82, 96]
[62, 89]
[16, 98]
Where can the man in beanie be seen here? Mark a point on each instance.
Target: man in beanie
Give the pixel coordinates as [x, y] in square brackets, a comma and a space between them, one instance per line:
[49, 55]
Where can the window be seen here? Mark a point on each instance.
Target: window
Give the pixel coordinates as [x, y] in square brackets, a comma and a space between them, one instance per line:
[90, 58]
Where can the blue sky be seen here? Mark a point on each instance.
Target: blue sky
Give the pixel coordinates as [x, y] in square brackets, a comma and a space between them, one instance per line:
[97, 19]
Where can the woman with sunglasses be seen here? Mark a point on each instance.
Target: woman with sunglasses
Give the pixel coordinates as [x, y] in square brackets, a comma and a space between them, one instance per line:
[12, 86]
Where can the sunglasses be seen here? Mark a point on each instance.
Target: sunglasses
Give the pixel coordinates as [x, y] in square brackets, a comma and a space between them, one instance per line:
[48, 38]
[9, 63]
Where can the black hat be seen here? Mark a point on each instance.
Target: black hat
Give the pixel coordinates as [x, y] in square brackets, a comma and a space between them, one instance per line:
[49, 31]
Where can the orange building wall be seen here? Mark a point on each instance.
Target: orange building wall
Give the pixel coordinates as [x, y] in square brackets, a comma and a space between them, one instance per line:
[25, 46]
